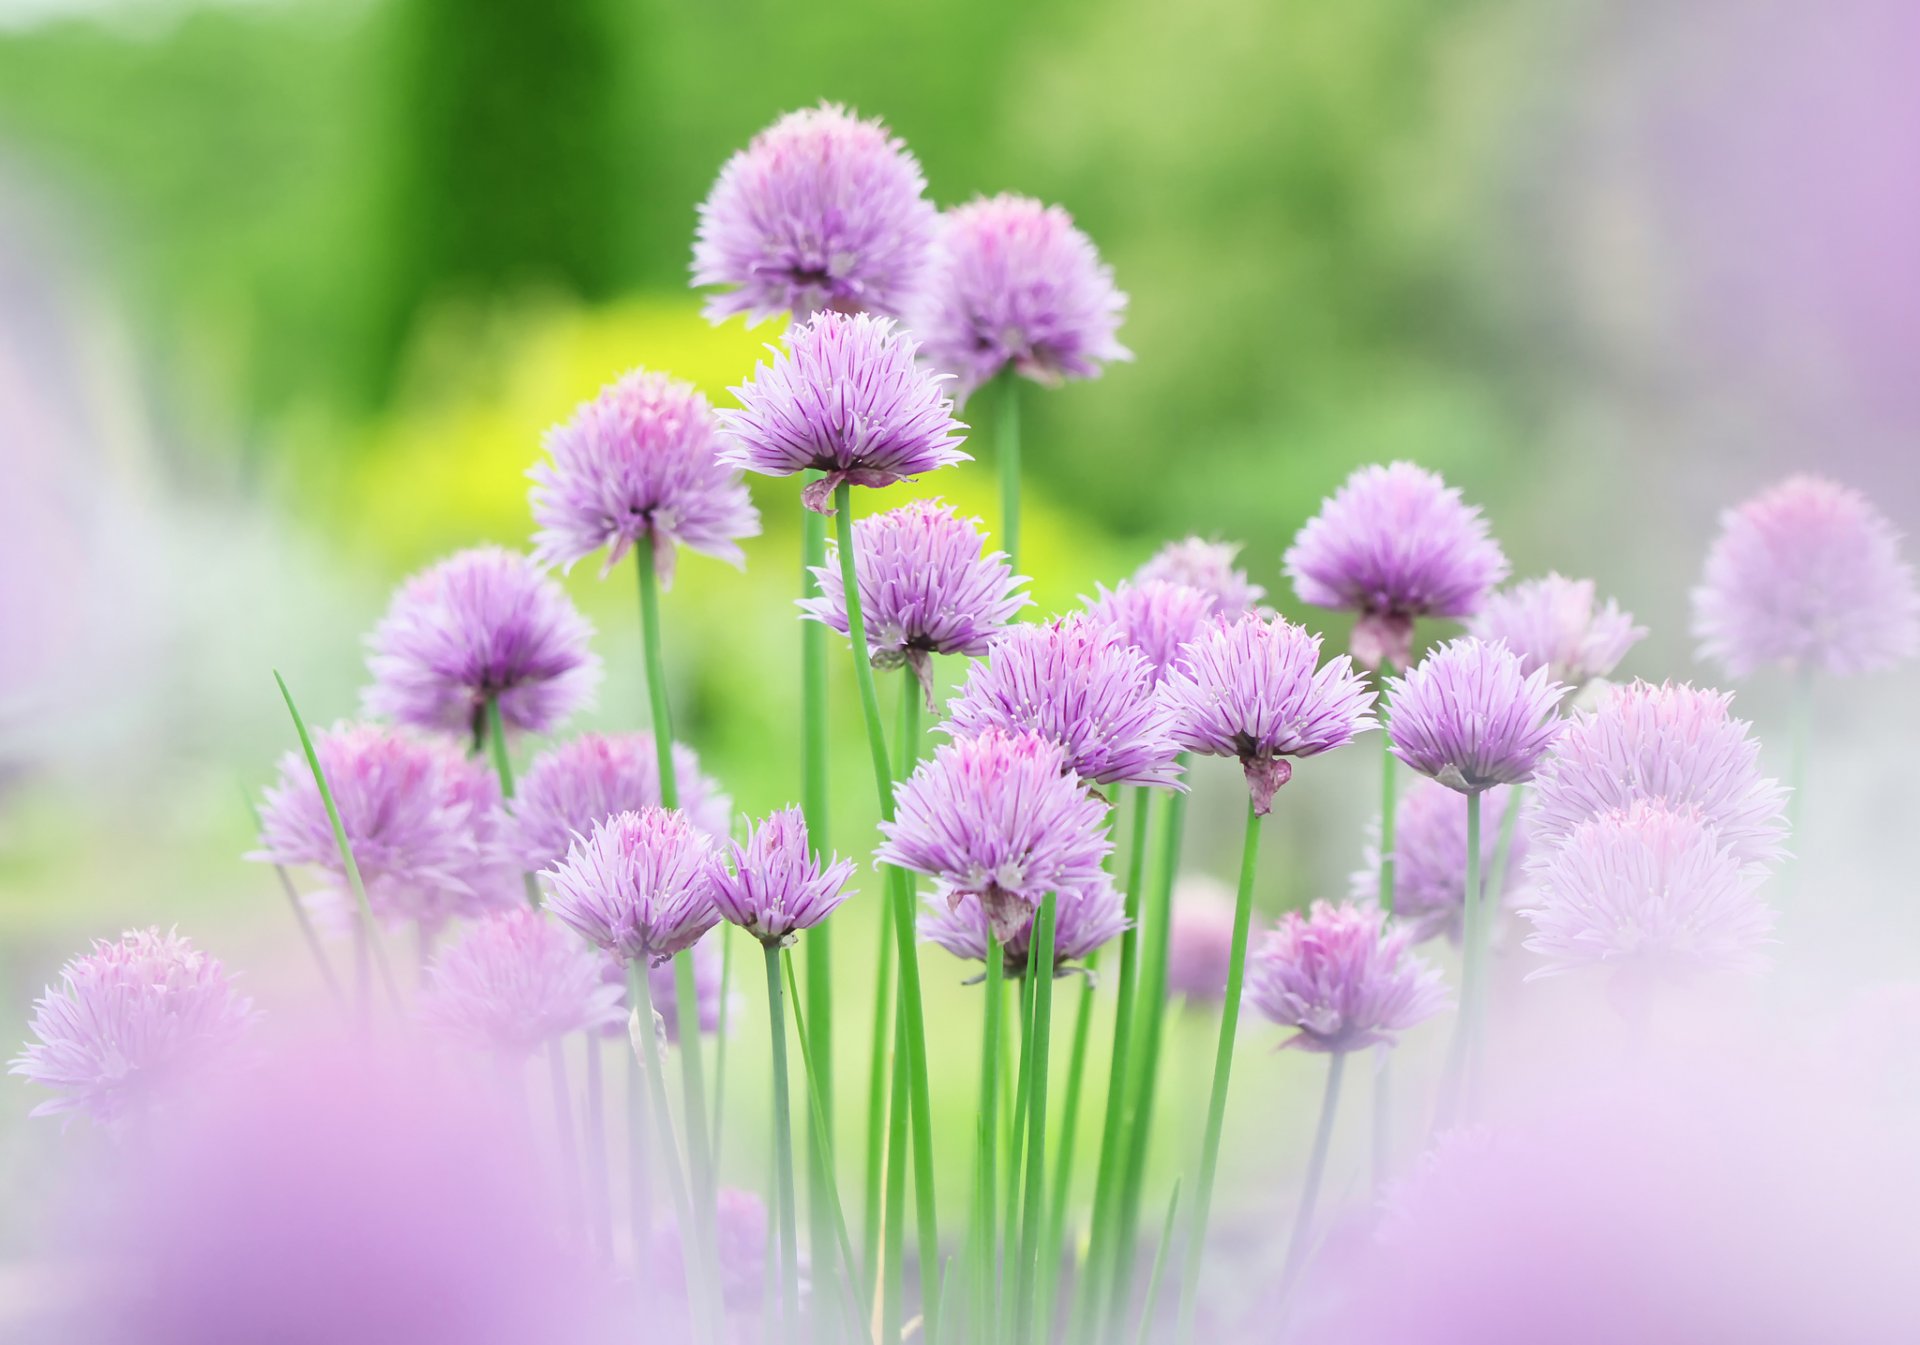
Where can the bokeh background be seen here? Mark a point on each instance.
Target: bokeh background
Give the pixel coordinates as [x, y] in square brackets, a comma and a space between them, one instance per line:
[289, 290]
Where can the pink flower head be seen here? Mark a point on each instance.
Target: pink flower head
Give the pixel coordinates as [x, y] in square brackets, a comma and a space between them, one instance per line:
[1551, 623]
[927, 586]
[516, 981]
[1158, 617]
[1077, 682]
[1341, 977]
[641, 885]
[776, 885]
[1808, 574]
[1085, 919]
[1430, 858]
[130, 1025]
[1394, 543]
[1468, 716]
[1199, 940]
[1671, 743]
[588, 779]
[1012, 284]
[482, 624]
[999, 817]
[640, 463]
[1250, 689]
[1207, 566]
[822, 211]
[845, 397]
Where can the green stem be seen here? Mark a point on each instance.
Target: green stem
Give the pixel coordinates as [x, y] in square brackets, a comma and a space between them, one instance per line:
[1016, 1158]
[599, 1201]
[1159, 1266]
[783, 1149]
[686, 1001]
[877, 1079]
[720, 1040]
[639, 1166]
[1054, 1248]
[700, 1287]
[571, 1183]
[496, 735]
[986, 1161]
[1383, 1067]
[893, 1277]
[1009, 454]
[1300, 1242]
[1033, 1203]
[1460, 1049]
[822, 1186]
[654, 653]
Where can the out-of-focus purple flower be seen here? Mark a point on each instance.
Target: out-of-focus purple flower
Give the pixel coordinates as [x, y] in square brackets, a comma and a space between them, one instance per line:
[1807, 574]
[1158, 617]
[1430, 858]
[423, 821]
[847, 398]
[822, 210]
[639, 463]
[1207, 566]
[1394, 543]
[1085, 919]
[1077, 682]
[1199, 940]
[641, 885]
[130, 1025]
[925, 587]
[480, 625]
[1249, 689]
[1013, 284]
[712, 1008]
[1342, 977]
[1551, 623]
[776, 886]
[515, 981]
[999, 817]
[1468, 716]
[1673, 743]
[588, 779]
[740, 1229]
[1647, 889]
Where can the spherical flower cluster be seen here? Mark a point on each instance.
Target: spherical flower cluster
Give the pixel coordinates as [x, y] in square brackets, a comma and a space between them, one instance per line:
[1207, 566]
[1158, 617]
[588, 779]
[1012, 284]
[776, 886]
[999, 817]
[1671, 743]
[1430, 858]
[1199, 940]
[1250, 689]
[1342, 978]
[822, 210]
[640, 463]
[641, 885]
[1085, 919]
[1394, 543]
[926, 587]
[129, 1024]
[1077, 682]
[514, 982]
[1551, 623]
[847, 398]
[481, 625]
[1468, 716]
[1808, 574]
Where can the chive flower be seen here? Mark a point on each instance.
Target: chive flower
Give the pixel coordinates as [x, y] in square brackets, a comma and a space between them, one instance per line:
[1158, 617]
[1430, 858]
[1469, 717]
[1342, 978]
[1199, 941]
[1552, 623]
[775, 886]
[640, 885]
[1085, 919]
[514, 982]
[1207, 566]
[587, 779]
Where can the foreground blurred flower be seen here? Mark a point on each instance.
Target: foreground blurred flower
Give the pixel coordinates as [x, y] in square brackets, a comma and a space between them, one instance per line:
[482, 625]
[1012, 284]
[588, 779]
[1158, 617]
[1249, 689]
[1077, 682]
[131, 1025]
[1551, 623]
[515, 982]
[1085, 919]
[639, 464]
[776, 886]
[998, 817]
[640, 886]
[1430, 858]
[1199, 940]
[1209, 567]
[845, 398]
[925, 588]
[1468, 716]
[821, 210]
[1809, 575]
[1342, 977]
[740, 1231]
[1393, 544]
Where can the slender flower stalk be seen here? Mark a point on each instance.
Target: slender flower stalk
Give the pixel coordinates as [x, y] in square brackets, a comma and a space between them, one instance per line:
[1159, 1266]
[1299, 1241]
[1033, 1211]
[1462, 1049]
[1009, 456]
[783, 1147]
[700, 1291]
[1053, 1248]
[814, 804]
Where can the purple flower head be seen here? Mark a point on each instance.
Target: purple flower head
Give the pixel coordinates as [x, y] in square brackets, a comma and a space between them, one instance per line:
[588, 779]
[1807, 574]
[639, 463]
[1551, 623]
[1199, 940]
[1209, 567]
[482, 624]
[1159, 617]
[711, 1007]
[740, 1228]
[1671, 743]
[776, 886]
[1648, 888]
[1077, 682]
[1085, 918]
[998, 817]
[1468, 716]
[131, 1024]
[422, 818]
[1342, 977]
[1430, 858]
[1394, 543]
[641, 885]
[821, 211]
[516, 981]
[846, 397]
[1012, 284]
[1249, 689]
[926, 587]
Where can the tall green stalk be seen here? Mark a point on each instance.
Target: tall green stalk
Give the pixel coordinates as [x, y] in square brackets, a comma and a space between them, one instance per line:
[701, 1287]
[986, 1232]
[1033, 1210]
[1473, 972]
[1159, 1267]
[599, 1196]
[1008, 451]
[877, 1095]
[783, 1148]
[724, 934]
[815, 803]
[1300, 1241]
[1383, 1065]
[571, 1181]
[1054, 1247]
